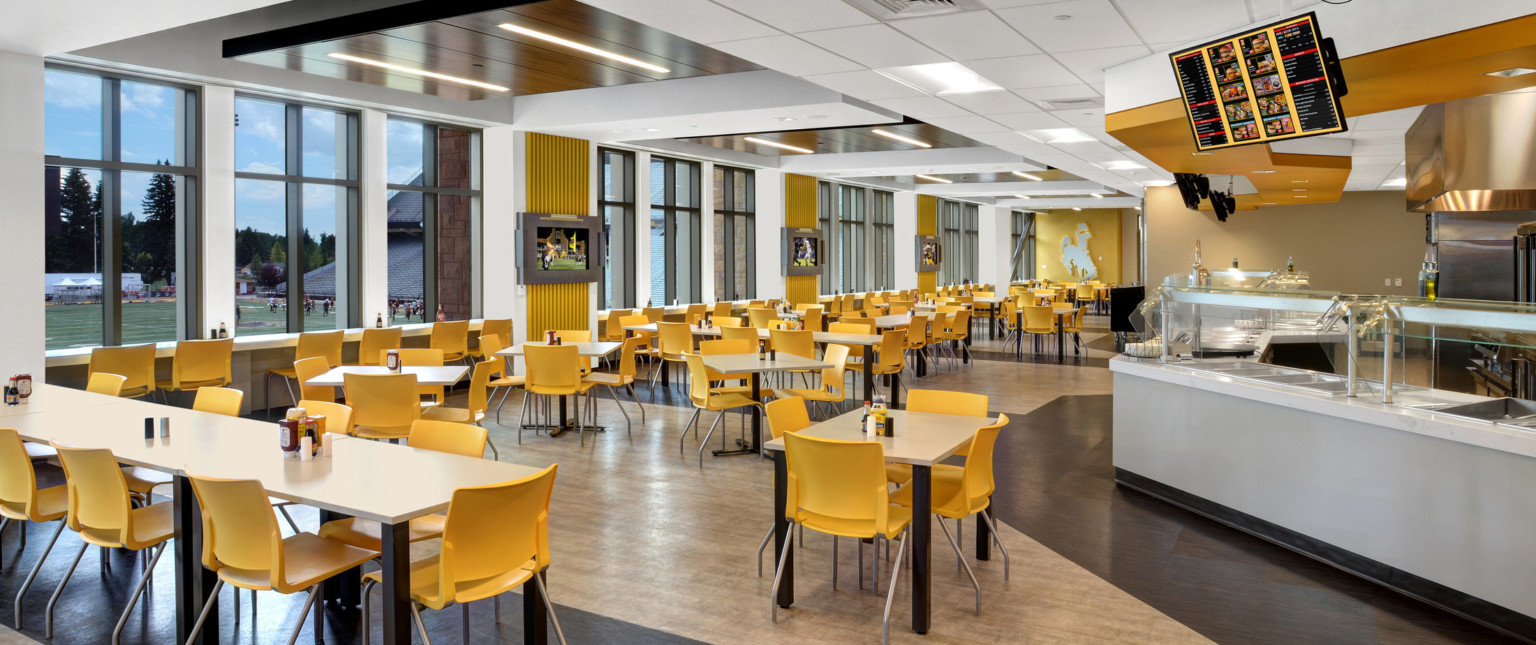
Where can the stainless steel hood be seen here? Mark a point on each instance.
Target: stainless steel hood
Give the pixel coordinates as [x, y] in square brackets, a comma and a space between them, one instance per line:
[1476, 154]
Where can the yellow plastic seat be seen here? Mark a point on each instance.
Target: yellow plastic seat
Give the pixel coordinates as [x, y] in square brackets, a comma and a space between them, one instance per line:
[728, 384]
[695, 314]
[728, 322]
[555, 371]
[939, 402]
[495, 539]
[784, 415]
[104, 383]
[654, 314]
[574, 335]
[704, 399]
[451, 337]
[759, 316]
[838, 488]
[476, 403]
[1039, 321]
[22, 501]
[102, 512]
[648, 346]
[500, 378]
[954, 330]
[722, 311]
[200, 363]
[917, 334]
[219, 400]
[831, 390]
[748, 335]
[243, 546]
[890, 356]
[676, 340]
[500, 328]
[795, 342]
[383, 405]
[814, 317]
[135, 363]
[309, 368]
[425, 357]
[375, 341]
[338, 417]
[312, 344]
[623, 378]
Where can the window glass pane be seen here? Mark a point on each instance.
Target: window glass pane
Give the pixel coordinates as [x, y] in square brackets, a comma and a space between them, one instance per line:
[407, 263]
[613, 177]
[324, 206]
[683, 250]
[325, 144]
[720, 189]
[658, 181]
[150, 124]
[686, 193]
[722, 290]
[403, 152]
[71, 114]
[745, 261]
[261, 257]
[610, 215]
[72, 282]
[659, 292]
[260, 136]
[150, 203]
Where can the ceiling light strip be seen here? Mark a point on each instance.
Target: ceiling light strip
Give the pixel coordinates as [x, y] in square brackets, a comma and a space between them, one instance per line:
[550, 38]
[937, 179]
[1027, 176]
[781, 146]
[418, 72]
[897, 137]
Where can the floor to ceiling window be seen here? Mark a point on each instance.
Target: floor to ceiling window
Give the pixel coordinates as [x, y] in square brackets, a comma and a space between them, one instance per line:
[852, 216]
[735, 234]
[121, 168]
[433, 204]
[969, 237]
[295, 193]
[958, 228]
[618, 210]
[883, 246]
[827, 199]
[1022, 250]
[675, 227]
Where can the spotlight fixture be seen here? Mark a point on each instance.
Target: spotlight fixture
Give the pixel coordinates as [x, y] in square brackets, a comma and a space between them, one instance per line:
[1076, 208]
[903, 139]
[937, 179]
[550, 38]
[1511, 72]
[1027, 176]
[419, 72]
[781, 146]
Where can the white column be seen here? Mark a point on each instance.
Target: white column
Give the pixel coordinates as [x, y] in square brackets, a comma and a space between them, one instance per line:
[21, 187]
[994, 232]
[594, 193]
[373, 218]
[502, 199]
[642, 223]
[218, 229]
[770, 221]
[707, 259]
[905, 245]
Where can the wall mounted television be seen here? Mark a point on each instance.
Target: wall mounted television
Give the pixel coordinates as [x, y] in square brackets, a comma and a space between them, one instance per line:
[930, 253]
[802, 251]
[557, 249]
[1276, 82]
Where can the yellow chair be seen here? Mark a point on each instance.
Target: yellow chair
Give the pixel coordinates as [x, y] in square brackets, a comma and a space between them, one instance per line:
[375, 341]
[801, 343]
[1073, 324]
[438, 436]
[312, 344]
[830, 390]
[21, 500]
[703, 399]
[728, 322]
[917, 334]
[784, 415]
[648, 346]
[610, 327]
[500, 378]
[136, 363]
[961, 491]
[452, 338]
[1039, 321]
[654, 314]
[574, 335]
[676, 340]
[338, 417]
[476, 403]
[500, 328]
[383, 405]
[695, 314]
[495, 539]
[425, 357]
[722, 311]
[954, 332]
[1007, 315]
[243, 546]
[748, 334]
[199, 363]
[108, 384]
[814, 317]
[722, 347]
[890, 356]
[219, 400]
[759, 317]
[309, 368]
[939, 402]
[555, 370]
[837, 488]
[102, 512]
[624, 378]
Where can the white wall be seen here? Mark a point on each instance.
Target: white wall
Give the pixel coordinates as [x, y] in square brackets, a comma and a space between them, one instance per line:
[501, 200]
[21, 190]
[905, 243]
[770, 221]
[218, 229]
[373, 205]
[642, 263]
[706, 232]
[994, 235]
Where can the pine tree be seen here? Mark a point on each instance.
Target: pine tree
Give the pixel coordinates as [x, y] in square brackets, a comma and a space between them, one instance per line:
[72, 249]
[158, 236]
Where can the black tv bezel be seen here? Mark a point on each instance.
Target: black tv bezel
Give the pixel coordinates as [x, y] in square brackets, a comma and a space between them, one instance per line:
[917, 253]
[790, 232]
[527, 231]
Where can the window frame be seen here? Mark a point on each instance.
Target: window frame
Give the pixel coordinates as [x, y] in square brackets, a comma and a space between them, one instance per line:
[853, 215]
[727, 219]
[1022, 251]
[674, 213]
[619, 236]
[883, 234]
[430, 192]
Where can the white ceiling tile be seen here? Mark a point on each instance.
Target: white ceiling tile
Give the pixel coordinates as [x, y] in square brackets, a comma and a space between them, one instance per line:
[1376, 160]
[865, 84]
[1091, 151]
[700, 21]
[1090, 120]
[789, 55]
[1379, 150]
[967, 36]
[1377, 136]
[1007, 4]
[875, 46]
[922, 107]
[1030, 121]
[1020, 72]
[1077, 91]
[1399, 120]
[1094, 24]
[1002, 138]
[967, 125]
[801, 15]
[992, 102]
[1167, 20]
[1090, 64]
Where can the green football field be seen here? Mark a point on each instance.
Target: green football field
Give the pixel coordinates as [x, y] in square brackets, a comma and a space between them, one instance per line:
[565, 264]
[144, 322]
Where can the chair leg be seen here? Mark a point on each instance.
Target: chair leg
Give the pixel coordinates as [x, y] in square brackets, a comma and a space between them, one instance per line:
[291, 524]
[629, 427]
[117, 632]
[703, 444]
[495, 454]
[36, 567]
[59, 591]
[420, 627]
[213, 598]
[762, 547]
[464, 614]
[956, 546]
[996, 540]
[890, 594]
[638, 404]
[686, 426]
[834, 563]
[778, 576]
[549, 606]
[367, 625]
[308, 602]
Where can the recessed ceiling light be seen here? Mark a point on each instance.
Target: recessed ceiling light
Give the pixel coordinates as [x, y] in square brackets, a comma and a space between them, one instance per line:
[1201, 154]
[1264, 172]
[1022, 196]
[781, 146]
[1123, 164]
[1097, 196]
[1395, 183]
[1299, 196]
[1156, 183]
[1137, 207]
[785, 119]
[1076, 208]
[1511, 72]
[937, 179]
[903, 139]
[940, 78]
[1062, 135]
[516, 29]
[1266, 203]
[1298, 190]
[1301, 181]
[1027, 176]
[653, 129]
[419, 72]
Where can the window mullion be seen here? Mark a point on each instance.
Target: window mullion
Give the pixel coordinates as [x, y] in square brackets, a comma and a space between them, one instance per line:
[110, 226]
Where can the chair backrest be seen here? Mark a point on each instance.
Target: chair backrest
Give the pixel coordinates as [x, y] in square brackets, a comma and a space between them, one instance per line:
[893, 345]
[832, 377]
[727, 346]
[552, 369]
[727, 321]
[627, 357]
[842, 480]
[759, 316]
[800, 343]
[574, 335]
[1038, 317]
[850, 302]
[305, 369]
[500, 328]
[636, 321]
[917, 330]
[695, 313]
[813, 317]
[239, 527]
[370, 350]
[450, 336]
[960, 323]
[1084, 291]
[654, 314]
[787, 415]
[867, 323]
[698, 379]
[748, 334]
[479, 380]
[383, 400]
[323, 344]
[494, 530]
[446, 436]
[421, 356]
[977, 478]
[947, 402]
[722, 310]
[218, 400]
[489, 345]
[108, 384]
[675, 338]
[834, 305]
[202, 360]
[338, 417]
[98, 494]
[18, 482]
[847, 328]
[135, 363]
[899, 307]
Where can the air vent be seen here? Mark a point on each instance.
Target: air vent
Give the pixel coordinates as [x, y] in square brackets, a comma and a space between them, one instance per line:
[898, 9]
[1072, 104]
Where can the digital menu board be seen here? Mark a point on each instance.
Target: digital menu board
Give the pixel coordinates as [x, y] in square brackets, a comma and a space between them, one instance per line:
[1264, 85]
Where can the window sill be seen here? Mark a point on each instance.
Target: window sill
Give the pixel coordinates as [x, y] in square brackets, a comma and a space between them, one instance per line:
[82, 355]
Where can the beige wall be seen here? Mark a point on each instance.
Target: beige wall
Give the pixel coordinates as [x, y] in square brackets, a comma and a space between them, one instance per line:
[1103, 246]
[1350, 245]
[1130, 247]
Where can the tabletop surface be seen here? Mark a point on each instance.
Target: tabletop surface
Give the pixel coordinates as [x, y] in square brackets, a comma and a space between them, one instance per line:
[601, 348]
[749, 363]
[820, 336]
[896, 320]
[48, 398]
[1062, 310]
[922, 438]
[425, 374]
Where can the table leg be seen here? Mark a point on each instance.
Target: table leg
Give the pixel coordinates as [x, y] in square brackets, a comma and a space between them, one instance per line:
[869, 366]
[396, 560]
[781, 530]
[1019, 321]
[922, 511]
[193, 582]
[1061, 348]
[345, 588]
[965, 349]
[983, 533]
[535, 618]
[757, 422]
[896, 390]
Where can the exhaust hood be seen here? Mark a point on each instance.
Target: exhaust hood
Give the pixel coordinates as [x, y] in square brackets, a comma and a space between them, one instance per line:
[1476, 154]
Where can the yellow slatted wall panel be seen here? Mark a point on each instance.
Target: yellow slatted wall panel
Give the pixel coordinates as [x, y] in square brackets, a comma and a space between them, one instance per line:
[928, 224]
[558, 183]
[800, 212]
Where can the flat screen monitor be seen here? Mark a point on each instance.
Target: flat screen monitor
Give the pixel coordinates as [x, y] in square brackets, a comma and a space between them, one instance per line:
[930, 253]
[803, 252]
[560, 248]
[1277, 82]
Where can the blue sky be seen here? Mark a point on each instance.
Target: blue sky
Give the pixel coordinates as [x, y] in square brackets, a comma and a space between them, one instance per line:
[72, 125]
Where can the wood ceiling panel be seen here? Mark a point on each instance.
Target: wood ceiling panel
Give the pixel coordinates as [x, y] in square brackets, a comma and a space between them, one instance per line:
[583, 19]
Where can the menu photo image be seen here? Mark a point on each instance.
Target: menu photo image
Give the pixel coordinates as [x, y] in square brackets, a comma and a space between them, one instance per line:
[1223, 53]
[1239, 111]
[1274, 104]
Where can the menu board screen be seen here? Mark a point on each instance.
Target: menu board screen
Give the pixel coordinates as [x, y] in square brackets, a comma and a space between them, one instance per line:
[1264, 85]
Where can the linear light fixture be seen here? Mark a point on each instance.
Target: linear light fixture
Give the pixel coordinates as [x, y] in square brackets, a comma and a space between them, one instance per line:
[1076, 208]
[1022, 196]
[1027, 176]
[782, 146]
[1097, 196]
[418, 72]
[903, 139]
[549, 38]
[937, 179]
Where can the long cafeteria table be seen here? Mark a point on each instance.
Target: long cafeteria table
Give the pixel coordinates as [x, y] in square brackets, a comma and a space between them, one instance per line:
[373, 480]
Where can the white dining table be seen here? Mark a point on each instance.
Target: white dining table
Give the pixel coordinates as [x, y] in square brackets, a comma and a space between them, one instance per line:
[596, 349]
[755, 365]
[426, 375]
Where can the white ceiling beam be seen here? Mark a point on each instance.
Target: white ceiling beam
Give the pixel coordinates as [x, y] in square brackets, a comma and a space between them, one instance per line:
[936, 161]
[1059, 203]
[1032, 188]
